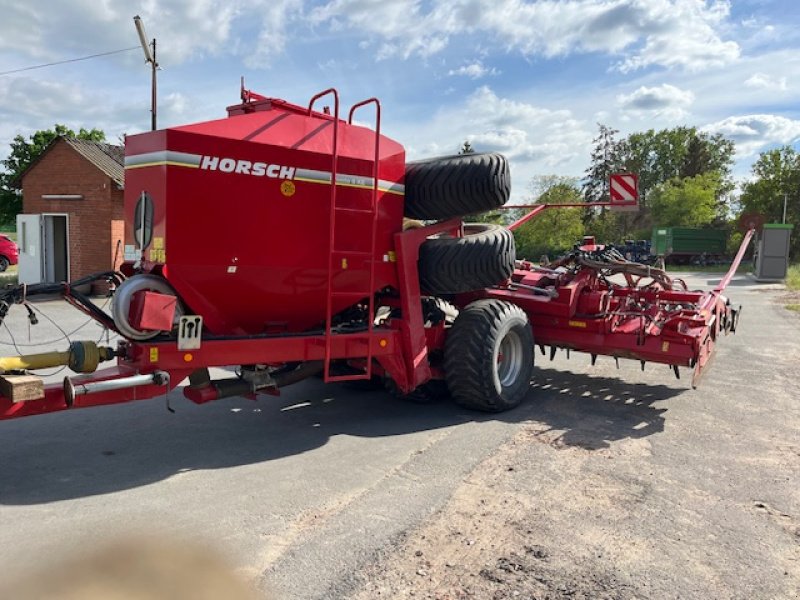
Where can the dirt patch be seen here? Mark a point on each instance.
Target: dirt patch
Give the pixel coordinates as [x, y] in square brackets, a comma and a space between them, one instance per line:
[790, 301]
[490, 542]
[544, 519]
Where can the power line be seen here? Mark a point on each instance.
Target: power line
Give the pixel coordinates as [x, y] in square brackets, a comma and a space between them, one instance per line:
[71, 60]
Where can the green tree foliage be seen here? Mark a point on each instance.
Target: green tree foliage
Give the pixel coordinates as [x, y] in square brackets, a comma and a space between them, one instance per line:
[673, 165]
[660, 156]
[687, 202]
[605, 160]
[776, 176]
[23, 153]
[697, 159]
[555, 230]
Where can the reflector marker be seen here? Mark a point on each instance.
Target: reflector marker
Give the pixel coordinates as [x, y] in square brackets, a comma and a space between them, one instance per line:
[346, 180]
[161, 158]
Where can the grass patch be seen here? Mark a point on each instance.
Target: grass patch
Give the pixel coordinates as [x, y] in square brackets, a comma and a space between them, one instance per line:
[794, 307]
[8, 279]
[9, 276]
[793, 278]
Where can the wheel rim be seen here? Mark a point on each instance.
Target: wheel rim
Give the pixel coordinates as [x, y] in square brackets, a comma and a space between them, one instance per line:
[508, 358]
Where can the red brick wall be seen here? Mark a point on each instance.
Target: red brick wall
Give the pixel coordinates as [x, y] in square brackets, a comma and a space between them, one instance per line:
[117, 242]
[91, 234]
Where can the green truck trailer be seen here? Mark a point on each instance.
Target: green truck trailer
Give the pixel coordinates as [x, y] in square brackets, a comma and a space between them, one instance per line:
[684, 245]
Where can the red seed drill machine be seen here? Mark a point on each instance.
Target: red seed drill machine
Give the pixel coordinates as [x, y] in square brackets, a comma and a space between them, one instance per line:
[332, 256]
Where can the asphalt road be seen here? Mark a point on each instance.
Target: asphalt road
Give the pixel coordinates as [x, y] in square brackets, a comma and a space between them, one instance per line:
[307, 492]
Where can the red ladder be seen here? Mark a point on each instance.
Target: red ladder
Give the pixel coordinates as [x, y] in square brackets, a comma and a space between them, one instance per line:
[338, 255]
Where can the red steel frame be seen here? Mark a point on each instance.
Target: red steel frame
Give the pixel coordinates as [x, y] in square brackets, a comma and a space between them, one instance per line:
[402, 347]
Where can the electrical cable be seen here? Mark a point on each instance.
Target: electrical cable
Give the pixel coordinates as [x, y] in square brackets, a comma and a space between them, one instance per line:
[54, 341]
[69, 60]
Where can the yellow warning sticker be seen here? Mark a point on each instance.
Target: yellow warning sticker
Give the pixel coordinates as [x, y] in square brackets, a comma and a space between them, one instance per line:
[665, 346]
[344, 264]
[158, 242]
[158, 255]
[153, 355]
[392, 256]
[288, 188]
[581, 324]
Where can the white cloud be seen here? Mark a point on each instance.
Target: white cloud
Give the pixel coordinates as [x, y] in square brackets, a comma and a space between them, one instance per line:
[753, 133]
[685, 34]
[766, 82]
[474, 70]
[535, 139]
[671, 33]
[275, 31]
[67, 104]
[184, 29]
[661, 101]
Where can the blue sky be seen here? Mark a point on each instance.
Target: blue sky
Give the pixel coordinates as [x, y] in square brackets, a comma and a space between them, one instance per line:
[529, 79]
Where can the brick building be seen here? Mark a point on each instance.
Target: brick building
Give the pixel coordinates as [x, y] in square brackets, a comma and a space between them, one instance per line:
[72, 222]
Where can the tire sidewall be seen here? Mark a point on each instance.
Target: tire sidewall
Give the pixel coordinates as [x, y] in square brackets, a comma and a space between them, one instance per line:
[471, 352]
[511, 395]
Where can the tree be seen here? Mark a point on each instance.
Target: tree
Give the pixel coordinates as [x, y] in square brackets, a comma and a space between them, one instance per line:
[604, 161]
[776, 178]
[687, 202]
[466, 148]
[659, 156]
[555, 230]
[697, 160]
[23, 153]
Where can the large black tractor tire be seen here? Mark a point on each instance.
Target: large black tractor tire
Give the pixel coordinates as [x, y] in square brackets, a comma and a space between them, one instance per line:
[482, 258]
[488, 356]
[4, 262]
[455, 186]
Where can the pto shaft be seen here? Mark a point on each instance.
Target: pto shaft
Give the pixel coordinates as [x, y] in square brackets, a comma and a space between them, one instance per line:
[82, 357]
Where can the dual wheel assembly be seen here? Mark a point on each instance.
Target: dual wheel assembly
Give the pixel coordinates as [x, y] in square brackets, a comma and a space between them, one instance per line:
[488, 354]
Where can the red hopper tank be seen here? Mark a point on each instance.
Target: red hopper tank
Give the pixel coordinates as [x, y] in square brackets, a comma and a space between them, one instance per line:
[237, 214]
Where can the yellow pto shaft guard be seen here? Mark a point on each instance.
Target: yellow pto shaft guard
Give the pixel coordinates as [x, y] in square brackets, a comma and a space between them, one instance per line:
[82, 357]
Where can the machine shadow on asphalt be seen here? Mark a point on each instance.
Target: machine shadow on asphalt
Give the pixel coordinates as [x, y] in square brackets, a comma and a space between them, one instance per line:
[83, 453]
[594, 411]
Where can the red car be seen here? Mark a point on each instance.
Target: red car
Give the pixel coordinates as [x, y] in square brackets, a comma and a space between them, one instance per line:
[8, 253]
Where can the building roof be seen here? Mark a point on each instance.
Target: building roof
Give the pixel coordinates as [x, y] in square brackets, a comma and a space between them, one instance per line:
[108, 158]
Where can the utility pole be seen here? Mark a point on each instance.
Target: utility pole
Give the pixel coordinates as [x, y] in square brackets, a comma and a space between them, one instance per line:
[149, 57]
[785, 198]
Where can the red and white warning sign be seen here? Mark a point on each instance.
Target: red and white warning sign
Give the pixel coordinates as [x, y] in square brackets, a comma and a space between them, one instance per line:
[624, 189]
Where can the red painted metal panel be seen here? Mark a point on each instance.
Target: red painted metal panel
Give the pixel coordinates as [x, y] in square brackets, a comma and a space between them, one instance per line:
[249, 253]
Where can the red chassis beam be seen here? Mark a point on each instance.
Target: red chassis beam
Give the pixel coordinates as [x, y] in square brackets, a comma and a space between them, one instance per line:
[149, 357]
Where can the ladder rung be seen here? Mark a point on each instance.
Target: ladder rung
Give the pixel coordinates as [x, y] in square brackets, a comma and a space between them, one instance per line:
[350, 377]
[361, 293]
[369, 211]
[352, 252]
